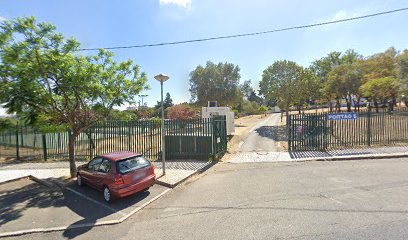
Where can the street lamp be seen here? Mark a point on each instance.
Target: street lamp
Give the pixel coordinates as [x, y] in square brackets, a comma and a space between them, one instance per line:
[162, 78]
[142, 96]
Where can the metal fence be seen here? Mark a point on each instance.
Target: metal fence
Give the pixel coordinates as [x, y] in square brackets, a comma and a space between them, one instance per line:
[193, 139]
[311, 132]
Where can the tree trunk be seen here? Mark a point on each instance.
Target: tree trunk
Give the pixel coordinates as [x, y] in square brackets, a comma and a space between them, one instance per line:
[358, 103]
[348, 102]
[376, 105]
[71, 151]
[338, 105]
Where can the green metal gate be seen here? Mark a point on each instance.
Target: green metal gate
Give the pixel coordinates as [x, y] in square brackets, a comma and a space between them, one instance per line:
[219, 135]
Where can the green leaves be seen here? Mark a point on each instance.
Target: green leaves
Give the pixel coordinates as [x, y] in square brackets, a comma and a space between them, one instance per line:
[216, 82]
[42, 76]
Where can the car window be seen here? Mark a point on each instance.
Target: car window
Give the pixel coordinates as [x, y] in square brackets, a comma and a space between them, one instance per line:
[105, 166]
[94, 164]
[130, 164]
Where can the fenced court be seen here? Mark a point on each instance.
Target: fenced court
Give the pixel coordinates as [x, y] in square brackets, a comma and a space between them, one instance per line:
[316, 132]
[193, 139]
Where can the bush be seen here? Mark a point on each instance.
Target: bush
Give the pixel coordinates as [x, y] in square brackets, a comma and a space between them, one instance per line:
[250, 107]
[181, 112]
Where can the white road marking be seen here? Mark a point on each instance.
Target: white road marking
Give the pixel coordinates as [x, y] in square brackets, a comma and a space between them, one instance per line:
[96, 202]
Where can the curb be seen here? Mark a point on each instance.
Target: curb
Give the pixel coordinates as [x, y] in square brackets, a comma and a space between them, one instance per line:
[15, 179]
[41, 181]
[348, 158]
[102, 223]
[333, 158]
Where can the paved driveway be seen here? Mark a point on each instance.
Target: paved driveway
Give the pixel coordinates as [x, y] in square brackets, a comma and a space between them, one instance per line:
[27, 206]
[294, 200]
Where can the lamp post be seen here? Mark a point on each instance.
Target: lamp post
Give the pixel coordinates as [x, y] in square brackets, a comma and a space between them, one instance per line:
[142, 96]
[162, 78]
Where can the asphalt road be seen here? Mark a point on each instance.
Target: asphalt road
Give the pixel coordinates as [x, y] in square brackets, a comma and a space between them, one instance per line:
[262, 137]
[304, 200]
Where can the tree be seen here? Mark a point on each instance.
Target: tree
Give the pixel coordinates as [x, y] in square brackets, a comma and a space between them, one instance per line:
[263, 109]
[246, 88]
[167, 102]
[125, 115]
[216, 82]
[402, 74]
[344, 81]
[322, 67]
[255, 98]
[42, 76]
[380, 89]
[288, 83]
[250, 107]
[181, 112]
[379, 66]
[146, 112]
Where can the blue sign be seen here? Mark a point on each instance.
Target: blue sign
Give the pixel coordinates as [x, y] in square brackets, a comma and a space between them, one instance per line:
[342, 116]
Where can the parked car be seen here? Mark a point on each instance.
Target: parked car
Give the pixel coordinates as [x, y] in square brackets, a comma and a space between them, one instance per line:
[117, 174]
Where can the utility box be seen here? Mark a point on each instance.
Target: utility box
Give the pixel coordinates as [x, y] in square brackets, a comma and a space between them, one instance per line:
[209, 112]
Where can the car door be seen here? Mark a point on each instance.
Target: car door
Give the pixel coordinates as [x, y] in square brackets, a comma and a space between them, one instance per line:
[103, 176]
[90, 173]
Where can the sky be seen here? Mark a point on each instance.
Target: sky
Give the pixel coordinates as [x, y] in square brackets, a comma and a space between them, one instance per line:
[101, 23]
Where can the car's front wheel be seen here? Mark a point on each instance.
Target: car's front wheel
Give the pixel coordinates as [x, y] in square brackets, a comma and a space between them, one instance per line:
[79, 180]
[107, 196]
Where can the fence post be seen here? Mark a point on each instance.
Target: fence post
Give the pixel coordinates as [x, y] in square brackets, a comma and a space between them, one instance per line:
[90, 144]
[369, 127]
[17, 144]
[288, 131]
[44, 141]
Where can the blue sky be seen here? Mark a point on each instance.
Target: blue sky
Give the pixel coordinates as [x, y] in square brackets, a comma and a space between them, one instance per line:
[100, 23]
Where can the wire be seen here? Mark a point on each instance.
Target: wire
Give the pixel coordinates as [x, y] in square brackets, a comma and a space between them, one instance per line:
[249, 34]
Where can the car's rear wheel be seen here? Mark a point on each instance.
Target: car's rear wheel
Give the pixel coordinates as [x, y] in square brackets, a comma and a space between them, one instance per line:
[79, 180]
[107, 196]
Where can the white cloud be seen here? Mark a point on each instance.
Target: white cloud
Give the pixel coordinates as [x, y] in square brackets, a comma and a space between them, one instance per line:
[2, 19]
[340, 15]
[180, 3]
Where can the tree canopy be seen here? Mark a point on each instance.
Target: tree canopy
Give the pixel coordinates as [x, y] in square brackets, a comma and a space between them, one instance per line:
[288, 83]
[42, 76]
[216, 82]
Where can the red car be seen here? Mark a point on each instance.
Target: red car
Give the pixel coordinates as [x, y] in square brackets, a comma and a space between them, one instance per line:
[117, 174]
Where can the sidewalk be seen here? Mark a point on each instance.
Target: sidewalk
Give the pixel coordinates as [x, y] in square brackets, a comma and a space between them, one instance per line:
[176, 171]
[346, 154]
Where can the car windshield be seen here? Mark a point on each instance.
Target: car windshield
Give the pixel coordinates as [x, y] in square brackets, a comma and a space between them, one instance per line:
[130, 164]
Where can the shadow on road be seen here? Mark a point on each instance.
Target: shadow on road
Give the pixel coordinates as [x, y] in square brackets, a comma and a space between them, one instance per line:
[276, 133]
[23, 200]
[92, 214]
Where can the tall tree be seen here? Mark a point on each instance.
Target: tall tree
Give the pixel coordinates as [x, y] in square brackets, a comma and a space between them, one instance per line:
[289, 83]
[216, 82]
[380, 89]
[322, 67]
[246, 88]
[381, 66]
[42, 76]
[167, 102]
[402, 73]
[344, 81]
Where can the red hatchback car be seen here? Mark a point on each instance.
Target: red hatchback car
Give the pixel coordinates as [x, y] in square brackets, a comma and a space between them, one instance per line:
[117, 174]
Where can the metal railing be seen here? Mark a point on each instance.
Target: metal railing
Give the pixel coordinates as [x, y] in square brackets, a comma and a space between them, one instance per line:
[188, 139]
[315, 132]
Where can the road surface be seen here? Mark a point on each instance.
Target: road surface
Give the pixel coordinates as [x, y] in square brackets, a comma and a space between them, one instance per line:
[306, 200]
[263, 136]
